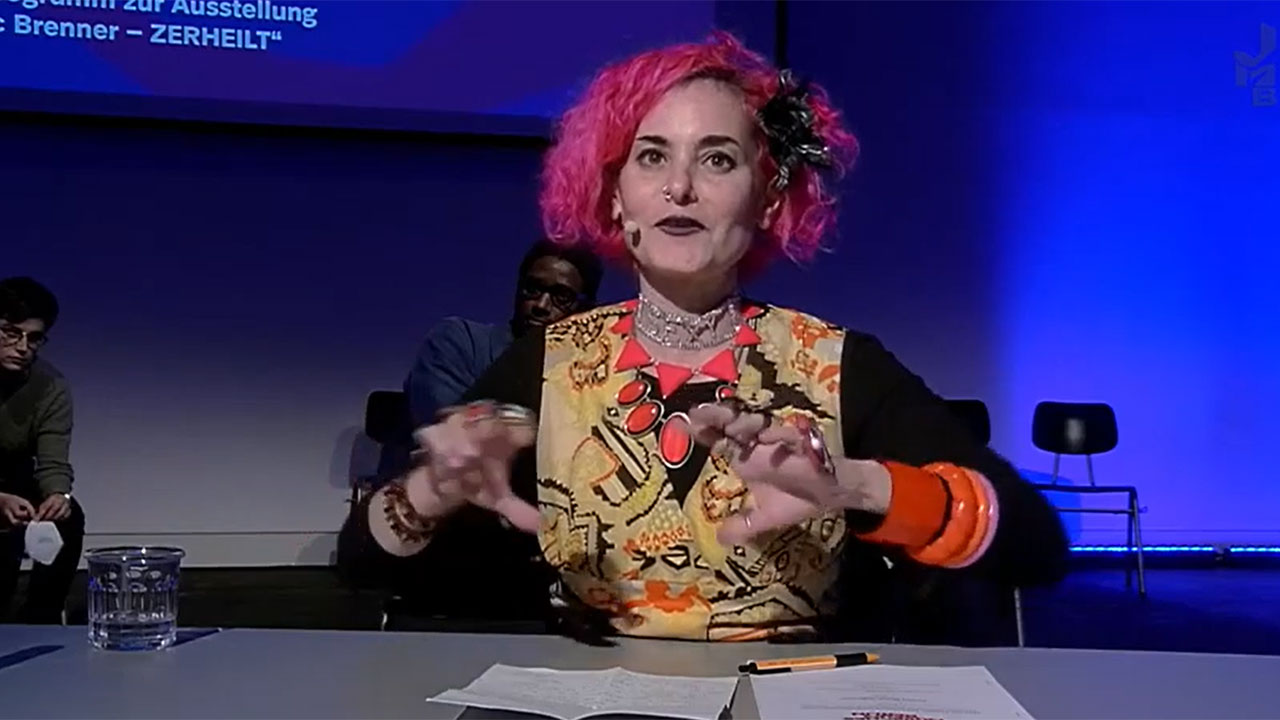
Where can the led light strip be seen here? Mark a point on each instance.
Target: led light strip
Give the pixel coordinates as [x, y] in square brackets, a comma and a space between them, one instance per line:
[1228, 549]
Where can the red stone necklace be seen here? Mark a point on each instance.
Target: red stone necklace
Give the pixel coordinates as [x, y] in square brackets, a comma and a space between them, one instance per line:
[645, 412]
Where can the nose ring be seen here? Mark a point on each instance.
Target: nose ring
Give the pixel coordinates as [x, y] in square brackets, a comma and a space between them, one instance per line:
[666, 193]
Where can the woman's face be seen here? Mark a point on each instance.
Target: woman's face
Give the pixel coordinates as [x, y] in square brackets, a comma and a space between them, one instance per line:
[691, 183]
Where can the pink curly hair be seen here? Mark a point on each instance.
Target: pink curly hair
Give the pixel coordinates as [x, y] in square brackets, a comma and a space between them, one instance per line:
[594, 140]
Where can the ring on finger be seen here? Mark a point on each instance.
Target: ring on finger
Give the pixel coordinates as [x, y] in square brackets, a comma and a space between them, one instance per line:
[818, 449]
[734, 403]
[477, 411]
[512, 414]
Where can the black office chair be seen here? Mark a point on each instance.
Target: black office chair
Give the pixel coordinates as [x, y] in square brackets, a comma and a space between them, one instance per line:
[386, 415]
[973, 414]
[388, 423]
[1088, 429]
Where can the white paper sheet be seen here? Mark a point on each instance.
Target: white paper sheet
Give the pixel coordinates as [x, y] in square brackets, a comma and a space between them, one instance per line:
[573, 694]
[870, 692]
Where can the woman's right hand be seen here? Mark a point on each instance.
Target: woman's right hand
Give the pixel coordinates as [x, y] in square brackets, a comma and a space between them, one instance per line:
[466, 458]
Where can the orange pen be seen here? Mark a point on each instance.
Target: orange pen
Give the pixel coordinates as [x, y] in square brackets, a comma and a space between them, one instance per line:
[820, 662]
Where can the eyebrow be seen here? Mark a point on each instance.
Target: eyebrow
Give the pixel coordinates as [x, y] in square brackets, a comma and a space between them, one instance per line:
[708, 141]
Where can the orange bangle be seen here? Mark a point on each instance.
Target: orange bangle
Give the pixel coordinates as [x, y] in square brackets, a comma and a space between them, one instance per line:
[917, 506]
[988, 516]
[959, 531]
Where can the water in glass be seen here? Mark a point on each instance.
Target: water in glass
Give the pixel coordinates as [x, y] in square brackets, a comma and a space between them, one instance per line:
[133, 597]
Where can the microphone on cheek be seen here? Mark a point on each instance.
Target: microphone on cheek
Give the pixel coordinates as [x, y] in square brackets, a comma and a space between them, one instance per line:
[631, 230]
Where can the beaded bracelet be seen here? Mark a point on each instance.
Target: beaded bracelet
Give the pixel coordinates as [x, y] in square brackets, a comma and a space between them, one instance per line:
[404, 521]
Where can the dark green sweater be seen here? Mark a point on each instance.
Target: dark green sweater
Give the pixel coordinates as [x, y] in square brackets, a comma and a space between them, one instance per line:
[35, 431]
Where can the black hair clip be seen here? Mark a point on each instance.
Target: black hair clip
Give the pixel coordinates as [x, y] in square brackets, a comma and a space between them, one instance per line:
[788, 124]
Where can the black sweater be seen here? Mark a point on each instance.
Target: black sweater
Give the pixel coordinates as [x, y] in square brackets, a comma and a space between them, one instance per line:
[476, 567]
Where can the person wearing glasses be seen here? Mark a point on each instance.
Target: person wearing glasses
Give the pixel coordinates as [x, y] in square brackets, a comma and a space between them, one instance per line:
[554, 282]
[35, 436]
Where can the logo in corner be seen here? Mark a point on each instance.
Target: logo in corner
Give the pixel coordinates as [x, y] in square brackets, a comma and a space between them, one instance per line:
[1254, 72]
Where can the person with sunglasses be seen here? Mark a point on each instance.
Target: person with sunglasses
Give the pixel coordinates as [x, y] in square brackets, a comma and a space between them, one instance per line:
[35, 437]
[554, 282]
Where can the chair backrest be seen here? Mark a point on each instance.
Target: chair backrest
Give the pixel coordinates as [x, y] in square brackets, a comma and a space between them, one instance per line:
[973, 414]
[386, 416]
[1074, 428]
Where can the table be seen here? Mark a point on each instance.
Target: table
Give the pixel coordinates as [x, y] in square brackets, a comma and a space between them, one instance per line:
[323, 674]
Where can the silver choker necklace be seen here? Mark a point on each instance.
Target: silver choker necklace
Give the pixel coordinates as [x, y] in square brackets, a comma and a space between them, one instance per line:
[687, 331]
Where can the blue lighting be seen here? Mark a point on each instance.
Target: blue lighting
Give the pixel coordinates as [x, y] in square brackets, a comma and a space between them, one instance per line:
[1167, 171]
[1272, 549]
[1145, 548]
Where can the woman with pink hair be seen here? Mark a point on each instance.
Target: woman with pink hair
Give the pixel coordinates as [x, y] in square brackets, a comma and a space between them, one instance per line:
[691, 463]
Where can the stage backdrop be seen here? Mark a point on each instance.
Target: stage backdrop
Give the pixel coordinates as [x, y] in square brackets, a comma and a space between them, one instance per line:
[1074, 201]
[1055, 202]
[476, 65]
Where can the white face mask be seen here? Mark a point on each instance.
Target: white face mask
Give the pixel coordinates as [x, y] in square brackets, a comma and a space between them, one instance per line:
[43, 541]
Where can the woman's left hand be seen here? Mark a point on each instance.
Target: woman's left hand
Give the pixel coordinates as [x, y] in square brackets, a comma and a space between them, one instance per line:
[789, 482]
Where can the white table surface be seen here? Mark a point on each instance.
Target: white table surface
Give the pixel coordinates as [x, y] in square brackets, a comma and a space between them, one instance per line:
[324, 674]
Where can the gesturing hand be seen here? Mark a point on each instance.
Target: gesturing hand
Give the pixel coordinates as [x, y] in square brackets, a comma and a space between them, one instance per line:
[55, 507]
[785, 469]
[15, 510]
[467, 459]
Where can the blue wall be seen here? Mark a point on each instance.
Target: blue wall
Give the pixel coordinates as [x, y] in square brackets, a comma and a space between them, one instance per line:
[1092, 202]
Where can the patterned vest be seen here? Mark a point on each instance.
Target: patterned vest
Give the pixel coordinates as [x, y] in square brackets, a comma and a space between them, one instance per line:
[630, 536]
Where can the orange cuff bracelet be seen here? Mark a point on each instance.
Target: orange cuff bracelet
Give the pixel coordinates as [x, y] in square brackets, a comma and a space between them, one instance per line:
[917, 506]
[968, 531]
[962, 523]
[988, 517]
